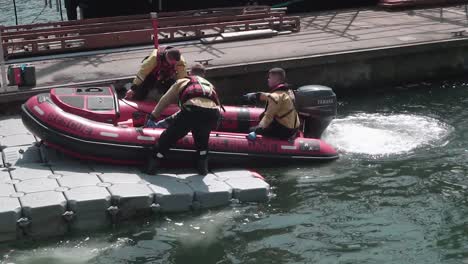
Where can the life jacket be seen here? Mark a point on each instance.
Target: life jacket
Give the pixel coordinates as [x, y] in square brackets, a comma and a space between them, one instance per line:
[163, 70]
[280, 87]
[198, 88]
[286, 88]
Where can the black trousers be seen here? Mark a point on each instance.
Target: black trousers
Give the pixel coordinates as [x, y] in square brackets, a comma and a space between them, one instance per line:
[198, 120]
[277, 130]
[150, 83]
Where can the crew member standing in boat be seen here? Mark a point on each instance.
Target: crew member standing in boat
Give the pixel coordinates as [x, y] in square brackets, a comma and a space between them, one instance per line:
[280, 118]
[157, 73]
[199, 114]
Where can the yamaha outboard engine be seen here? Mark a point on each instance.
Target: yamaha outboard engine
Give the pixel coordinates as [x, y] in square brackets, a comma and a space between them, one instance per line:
[316, 106]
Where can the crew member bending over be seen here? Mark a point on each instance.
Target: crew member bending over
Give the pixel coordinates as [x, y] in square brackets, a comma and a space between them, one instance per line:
[157, 73]
[199, 113]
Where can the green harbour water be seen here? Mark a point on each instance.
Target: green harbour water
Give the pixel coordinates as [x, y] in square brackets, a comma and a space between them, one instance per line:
[29, 11]
[398, 194]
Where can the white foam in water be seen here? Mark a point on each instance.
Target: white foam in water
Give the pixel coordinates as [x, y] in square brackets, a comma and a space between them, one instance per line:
[201, 231]
[195, 232]
[379, 134]
[70, 252]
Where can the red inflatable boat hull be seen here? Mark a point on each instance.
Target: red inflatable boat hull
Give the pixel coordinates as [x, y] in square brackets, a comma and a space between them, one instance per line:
[91, 131]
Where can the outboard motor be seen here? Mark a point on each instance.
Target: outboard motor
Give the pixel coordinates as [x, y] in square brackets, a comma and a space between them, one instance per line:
[316, 106]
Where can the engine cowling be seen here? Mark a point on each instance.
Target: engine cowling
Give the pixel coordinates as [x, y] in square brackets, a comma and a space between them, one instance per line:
[317, 107]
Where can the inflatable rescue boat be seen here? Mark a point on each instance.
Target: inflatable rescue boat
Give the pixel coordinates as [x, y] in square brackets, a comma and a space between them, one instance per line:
[93, 123]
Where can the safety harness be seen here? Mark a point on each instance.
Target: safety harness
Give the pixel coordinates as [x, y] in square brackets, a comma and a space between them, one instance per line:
[198, 88]
[163, 70]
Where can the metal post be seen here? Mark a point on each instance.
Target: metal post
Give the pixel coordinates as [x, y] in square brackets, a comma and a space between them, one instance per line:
[2, 64]
[57, 5]
[16, 14]
[154, 21]
[50, 3]
[61, 13]
[160, 5]
[79, 13]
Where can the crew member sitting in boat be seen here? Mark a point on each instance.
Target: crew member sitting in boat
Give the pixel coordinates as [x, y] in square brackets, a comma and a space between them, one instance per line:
[280, 118]
[199, 114]
[157, 73]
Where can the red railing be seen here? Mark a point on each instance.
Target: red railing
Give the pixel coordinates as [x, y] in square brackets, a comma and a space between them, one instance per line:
[100, 33]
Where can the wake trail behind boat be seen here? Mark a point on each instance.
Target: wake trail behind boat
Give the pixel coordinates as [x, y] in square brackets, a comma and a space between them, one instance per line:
[381, 134]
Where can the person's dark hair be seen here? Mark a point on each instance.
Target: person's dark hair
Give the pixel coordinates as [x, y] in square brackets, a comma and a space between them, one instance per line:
[174, 54]
[198, 70]
[278, 72]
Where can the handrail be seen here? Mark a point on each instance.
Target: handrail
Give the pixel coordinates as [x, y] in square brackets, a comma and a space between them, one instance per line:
[62, 37]
[126, 25]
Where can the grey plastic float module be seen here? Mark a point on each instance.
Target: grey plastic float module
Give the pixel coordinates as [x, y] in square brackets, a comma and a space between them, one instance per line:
[7, 189]
[70, 167]
[209, 190]
[16, 156]
[43, 206]
[10, 125]
[2, 159]
[25, 139]
[10, 213]
[226, 174]
[122, 177]
[37, 185]
[73, 179]
[30, 171]
[247, 186]
[4, 175]
[131, 198]
[105, 168]
[89, 205]
[44, 211]
[171, 194]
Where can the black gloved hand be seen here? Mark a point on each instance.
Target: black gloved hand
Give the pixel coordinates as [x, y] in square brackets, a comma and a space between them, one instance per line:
[256, 129]
[150, 117]
[134, 87]
[251, 98]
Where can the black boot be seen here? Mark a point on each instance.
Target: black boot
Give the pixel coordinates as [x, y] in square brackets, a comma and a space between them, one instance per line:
[152, 165]
[153, 162]
[202, 165]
